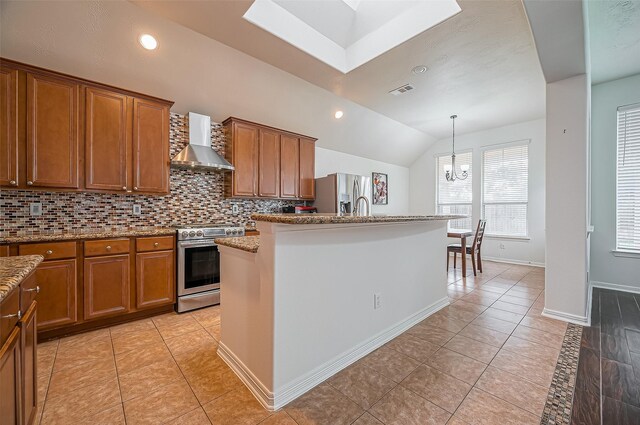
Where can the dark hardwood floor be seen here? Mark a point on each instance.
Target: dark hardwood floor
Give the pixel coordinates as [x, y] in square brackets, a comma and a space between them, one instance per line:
[608, 378]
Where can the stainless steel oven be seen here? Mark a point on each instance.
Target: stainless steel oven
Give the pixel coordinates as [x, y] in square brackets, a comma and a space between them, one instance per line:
[199, 265]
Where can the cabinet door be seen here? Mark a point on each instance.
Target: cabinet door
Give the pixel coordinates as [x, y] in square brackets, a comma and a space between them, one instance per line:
[150, 147]
[106, 286]
[106, 144]
[289, 166]
[155, 284]
[8, 127]
[269, 164]
[307, 169]
[52, 132]
[29, 340]
[245, 160]
[10, 379]
[58, 292]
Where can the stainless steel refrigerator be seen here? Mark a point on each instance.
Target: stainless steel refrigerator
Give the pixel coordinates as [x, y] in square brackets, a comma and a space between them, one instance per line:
[336, 193]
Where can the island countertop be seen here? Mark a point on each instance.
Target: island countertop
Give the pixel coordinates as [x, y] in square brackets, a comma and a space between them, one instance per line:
[14, 269]
[348, 219]
[244, 243]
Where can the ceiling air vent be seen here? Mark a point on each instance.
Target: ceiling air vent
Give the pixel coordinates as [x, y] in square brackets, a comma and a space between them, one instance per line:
[401, 90]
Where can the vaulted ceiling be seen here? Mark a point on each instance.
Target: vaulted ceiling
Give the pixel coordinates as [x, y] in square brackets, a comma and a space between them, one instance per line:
[481, 63]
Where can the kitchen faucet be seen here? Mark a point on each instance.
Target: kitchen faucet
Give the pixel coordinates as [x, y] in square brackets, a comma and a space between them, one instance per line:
[356, 210]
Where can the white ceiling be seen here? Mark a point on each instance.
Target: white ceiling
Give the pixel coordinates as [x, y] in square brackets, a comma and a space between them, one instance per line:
[482, 64]
[614, 39]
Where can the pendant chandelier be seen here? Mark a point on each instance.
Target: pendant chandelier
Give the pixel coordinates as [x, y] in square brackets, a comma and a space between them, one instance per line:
[450, 170]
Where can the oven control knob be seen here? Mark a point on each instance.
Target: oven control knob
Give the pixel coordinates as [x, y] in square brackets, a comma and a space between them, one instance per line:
[185, 234]
[192, 233]
[227, 231]
[236, 232]
[199, 233]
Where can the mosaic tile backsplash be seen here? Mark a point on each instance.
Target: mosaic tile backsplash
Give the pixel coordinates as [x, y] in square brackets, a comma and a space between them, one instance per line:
[196, 197]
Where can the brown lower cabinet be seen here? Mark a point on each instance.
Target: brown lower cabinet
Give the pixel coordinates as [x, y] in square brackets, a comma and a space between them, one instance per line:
[87, 284]
[10, 379]
[57, 280]
[29, 339]
[155, 283]
[18, 357]
[106, 286]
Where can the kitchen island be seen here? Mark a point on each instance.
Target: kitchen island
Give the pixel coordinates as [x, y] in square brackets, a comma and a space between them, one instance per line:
[314, 293]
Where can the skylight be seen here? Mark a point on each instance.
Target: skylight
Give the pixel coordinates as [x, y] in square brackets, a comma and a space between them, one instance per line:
[348, 33]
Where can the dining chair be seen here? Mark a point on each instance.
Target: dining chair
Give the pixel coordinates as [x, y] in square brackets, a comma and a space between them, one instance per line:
[473, 250]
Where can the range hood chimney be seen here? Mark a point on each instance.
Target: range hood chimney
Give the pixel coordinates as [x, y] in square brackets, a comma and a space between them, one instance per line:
[198, 154]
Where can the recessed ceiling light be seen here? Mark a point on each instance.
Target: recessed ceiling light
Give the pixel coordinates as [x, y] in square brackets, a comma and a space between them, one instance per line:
[420, 69]
[339, 114]
[148, 41]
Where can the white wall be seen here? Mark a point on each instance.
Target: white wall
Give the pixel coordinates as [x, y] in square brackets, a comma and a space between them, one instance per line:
[566, 198]
[98, 40]
[328, 162]
[605, 267]
[423, 186]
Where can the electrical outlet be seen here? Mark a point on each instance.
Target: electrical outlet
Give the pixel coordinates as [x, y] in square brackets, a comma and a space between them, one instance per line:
[377, 303]
[235, 209]
[137, 209]
[35, 209]
[501, 246]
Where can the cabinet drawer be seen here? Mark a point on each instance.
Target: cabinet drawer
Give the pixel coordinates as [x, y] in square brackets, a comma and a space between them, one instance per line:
[9, 314]
[50, 250]
[161, 243]
[28, 290]
[106, 247]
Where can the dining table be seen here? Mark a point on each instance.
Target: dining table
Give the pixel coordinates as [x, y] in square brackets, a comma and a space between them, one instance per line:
[462, 235]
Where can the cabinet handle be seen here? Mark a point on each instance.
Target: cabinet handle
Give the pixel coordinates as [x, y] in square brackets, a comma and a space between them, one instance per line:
[108, 247]
[12, 182]
[124, 187]
[29, 183]
[135, 188]
[156, 244]
[9, 316]
[49, 252]
[36, 290]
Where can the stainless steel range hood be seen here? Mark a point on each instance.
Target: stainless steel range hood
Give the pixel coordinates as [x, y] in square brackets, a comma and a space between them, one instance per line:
[198, 154]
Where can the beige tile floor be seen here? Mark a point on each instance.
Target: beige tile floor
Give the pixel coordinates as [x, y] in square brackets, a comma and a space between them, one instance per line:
[488, 358]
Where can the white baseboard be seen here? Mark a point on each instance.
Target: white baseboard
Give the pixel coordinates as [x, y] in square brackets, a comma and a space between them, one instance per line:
[510, 261]
[293, 390]
[567, 317]
[615, 287]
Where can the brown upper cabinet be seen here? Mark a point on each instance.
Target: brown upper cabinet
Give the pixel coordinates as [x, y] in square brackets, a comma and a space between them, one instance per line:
[307, 169]
[9, 127]
[269, 163]
[65, 133]
[52, 131]
[106, 142]
[289, 166]
[150, 146]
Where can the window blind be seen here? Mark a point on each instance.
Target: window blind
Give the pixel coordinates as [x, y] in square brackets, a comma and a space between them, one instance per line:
[505, 190]
[455, 197]
[628, 179]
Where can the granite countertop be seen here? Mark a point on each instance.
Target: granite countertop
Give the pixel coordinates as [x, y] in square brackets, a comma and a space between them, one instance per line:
[91, 234]
[14, 269]
[244, 243]
[346, 219]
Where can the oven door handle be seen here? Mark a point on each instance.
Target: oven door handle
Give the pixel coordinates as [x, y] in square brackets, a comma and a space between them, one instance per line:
[195, 244]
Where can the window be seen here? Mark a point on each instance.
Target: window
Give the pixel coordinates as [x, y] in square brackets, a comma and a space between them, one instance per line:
[505, 194]
[455, 197]
[628, 179]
